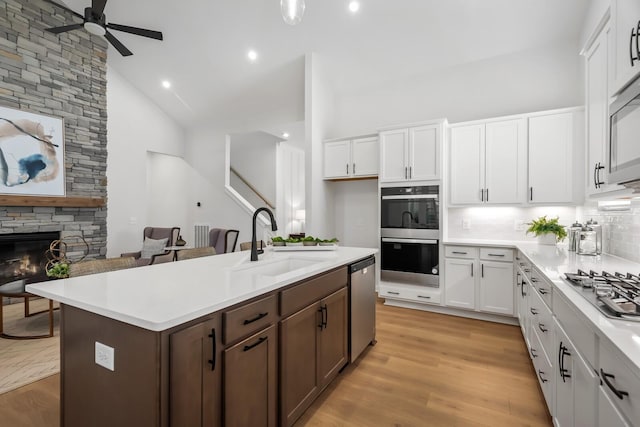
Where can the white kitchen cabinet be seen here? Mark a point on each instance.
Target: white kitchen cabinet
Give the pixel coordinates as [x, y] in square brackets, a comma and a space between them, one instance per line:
[351, 158]
[488, 163]
[460, 283]
[576, 385]
[475, 281]
[411, 154]
[624, 43]
[608, 414]
[496, 287]
[597, 115]
[556, 161]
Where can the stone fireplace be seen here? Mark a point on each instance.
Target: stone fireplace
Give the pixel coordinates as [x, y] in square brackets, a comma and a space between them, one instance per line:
[22, 256]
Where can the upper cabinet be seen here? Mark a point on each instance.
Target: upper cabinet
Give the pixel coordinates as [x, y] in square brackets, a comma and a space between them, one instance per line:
[355, 158]
[556, 157]
[488, 162]
[411, 154]
[624, 43]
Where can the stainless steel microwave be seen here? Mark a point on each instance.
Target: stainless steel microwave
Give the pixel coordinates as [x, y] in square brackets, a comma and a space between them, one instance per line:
[624, 141]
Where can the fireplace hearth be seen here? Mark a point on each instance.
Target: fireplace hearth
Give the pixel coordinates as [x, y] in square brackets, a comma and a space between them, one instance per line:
[22, 256]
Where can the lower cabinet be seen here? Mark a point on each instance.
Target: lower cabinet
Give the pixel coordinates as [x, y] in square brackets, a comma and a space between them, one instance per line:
[195, 375]
[250, 381]
[608, 413]
[479, 279]
[576, 385]
[313, 349]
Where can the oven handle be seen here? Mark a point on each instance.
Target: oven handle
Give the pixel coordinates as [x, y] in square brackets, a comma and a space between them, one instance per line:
[417, 196]
[419, 241]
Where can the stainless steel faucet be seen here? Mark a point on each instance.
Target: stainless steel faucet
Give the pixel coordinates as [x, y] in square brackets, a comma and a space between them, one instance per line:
[254, 245]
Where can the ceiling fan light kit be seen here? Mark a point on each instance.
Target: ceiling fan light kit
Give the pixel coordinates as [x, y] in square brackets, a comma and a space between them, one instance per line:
[292, 11]
[95, 22]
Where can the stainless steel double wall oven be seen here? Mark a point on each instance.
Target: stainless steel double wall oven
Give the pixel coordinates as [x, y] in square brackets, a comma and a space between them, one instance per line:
[410, 233]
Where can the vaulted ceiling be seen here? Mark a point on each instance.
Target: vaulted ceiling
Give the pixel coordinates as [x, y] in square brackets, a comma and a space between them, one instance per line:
[204, 53]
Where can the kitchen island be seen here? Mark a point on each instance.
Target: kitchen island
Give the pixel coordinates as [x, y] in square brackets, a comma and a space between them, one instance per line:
[216, 340]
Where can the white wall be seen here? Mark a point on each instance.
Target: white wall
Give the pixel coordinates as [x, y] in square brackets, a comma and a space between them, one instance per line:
[135, 126]
[319, 108]
[597, 9]
[356, 213]
[253, 155]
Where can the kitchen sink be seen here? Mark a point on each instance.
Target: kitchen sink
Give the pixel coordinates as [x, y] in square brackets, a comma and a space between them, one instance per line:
[272, 268]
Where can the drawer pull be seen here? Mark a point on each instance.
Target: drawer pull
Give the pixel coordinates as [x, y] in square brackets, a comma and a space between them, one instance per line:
[542, 328]
[501, 255]
[425, 297]
[393, 293]
[619, 393]
[533, 353]
[257, 343]
[543, 291]
[527, 270]
[255, 319]
[533, 311]
[534, 280]
[459, 253]
[541, 377]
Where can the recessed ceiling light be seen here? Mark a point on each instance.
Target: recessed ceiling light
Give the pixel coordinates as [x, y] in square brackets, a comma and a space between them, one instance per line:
[285, 135]
[252, 55]
[166, 84]
[354, 6]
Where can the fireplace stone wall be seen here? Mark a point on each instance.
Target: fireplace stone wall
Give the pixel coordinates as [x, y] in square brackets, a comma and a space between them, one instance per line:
[63, 76]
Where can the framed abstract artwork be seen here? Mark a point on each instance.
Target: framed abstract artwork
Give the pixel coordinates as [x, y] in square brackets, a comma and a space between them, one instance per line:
[31, 154]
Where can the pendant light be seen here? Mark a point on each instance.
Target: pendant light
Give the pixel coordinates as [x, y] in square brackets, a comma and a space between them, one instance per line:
[292, 11]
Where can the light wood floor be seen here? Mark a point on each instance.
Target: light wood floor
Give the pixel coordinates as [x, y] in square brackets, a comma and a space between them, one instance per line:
[427, 369]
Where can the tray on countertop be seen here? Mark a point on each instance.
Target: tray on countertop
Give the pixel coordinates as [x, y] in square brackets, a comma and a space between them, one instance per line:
[303, 248]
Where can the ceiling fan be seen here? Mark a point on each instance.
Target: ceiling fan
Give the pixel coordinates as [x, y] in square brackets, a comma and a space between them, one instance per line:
[95, 22]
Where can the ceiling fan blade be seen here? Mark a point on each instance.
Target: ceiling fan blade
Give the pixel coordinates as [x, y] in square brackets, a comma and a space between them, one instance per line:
[97, 6]
[58, 30]
[65, 8]
[137, 31]
[116, 43]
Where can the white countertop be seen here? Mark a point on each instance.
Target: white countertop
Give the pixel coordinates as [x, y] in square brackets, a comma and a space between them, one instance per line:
[162, 296]
[554, 262]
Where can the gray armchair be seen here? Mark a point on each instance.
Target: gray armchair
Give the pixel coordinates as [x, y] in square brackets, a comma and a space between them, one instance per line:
[223, 240]
[156, 233]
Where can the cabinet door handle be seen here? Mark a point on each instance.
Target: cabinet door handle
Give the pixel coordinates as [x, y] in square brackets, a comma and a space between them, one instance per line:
[425, 297]
[481, 270]
[405, 172]
[533, 311]
[500, 255]
[458, 253]
[542, 328]
[212, 361]
[595, 175]
[634, 34]
[522, 291]
[354, 168]
[393, 293]
[410, 172]
[598, 182]
[533, 353]
[347, 168]
[534, 280]
[487, 196]
[255, 344]
[531, 194]
[619, 393]
[321, 311]
[481, 195]
[255, 319]
[541, 377]
[325, 316]
[471, 269]
[543, 291]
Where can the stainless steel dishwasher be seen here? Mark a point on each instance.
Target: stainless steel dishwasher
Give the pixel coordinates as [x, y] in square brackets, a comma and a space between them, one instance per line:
[362, 298]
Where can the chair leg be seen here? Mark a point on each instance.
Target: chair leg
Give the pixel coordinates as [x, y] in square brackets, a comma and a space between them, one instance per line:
[26, 307]
[27, 314]
[50, 318]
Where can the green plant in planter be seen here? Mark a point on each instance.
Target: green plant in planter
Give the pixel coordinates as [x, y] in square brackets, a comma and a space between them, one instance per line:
[293, 240]
[277, 239]
[59, 270]
[543, 225]
[309, 239]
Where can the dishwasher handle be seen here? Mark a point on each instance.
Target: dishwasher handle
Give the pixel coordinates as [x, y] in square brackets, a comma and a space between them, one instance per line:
[361, 265]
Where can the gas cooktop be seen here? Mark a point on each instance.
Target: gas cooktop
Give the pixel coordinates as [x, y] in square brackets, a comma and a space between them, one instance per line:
[615, 295]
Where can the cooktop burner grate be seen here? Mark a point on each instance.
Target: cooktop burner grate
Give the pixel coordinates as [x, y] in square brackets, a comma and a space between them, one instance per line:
[615, 295]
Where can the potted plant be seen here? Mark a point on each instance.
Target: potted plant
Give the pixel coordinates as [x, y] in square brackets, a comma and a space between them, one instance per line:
[329, 242]
[292, 241]
[309, 241]
[277, 241]
[59, 270]
[548, 231]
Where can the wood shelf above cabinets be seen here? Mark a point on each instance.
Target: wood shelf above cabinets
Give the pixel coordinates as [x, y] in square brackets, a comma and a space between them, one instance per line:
[42, 201]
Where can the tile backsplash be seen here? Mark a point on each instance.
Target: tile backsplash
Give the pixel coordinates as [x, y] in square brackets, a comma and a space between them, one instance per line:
[620, 230]
[501, 223]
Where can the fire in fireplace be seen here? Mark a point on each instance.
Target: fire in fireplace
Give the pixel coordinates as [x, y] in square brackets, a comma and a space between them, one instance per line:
[22, 256]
